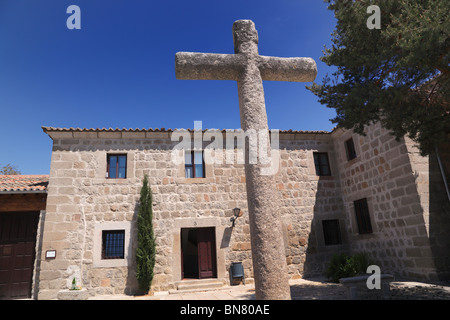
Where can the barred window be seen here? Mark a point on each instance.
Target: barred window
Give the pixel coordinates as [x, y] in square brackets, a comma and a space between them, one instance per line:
[113, 244]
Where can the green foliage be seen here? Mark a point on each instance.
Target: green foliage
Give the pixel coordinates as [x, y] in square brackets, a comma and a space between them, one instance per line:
[74, 285]
[146, 248]
[9, 169]
[343, 265]
[398, 75]
[336, 268]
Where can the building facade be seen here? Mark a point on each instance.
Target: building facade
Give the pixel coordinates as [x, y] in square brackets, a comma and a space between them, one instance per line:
[338, 192]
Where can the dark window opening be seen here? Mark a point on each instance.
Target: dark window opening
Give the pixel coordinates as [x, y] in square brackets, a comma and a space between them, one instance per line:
[331, 232]
[322, 164]
[362, 216]
[350, 148]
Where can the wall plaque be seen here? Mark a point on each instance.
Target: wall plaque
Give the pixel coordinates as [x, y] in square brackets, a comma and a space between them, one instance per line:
[50, 254]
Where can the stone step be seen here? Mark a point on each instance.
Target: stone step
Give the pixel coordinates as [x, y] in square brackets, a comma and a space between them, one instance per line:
[197, 285]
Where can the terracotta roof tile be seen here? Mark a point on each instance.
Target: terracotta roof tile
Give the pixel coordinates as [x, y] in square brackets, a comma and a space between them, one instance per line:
[23, 183]
[50, 129]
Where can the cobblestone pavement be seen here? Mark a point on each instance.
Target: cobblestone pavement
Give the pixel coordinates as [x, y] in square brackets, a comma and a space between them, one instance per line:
[302, 289]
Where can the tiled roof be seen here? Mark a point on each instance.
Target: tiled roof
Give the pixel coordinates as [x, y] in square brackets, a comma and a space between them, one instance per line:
[49, 129]
[23, 183]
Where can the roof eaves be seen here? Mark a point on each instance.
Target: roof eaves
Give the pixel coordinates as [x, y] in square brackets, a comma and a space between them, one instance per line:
[18, 191]
[53, 129]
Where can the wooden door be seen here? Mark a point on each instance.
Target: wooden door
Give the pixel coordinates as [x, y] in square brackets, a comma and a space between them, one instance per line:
[17, 253]
[206, 252]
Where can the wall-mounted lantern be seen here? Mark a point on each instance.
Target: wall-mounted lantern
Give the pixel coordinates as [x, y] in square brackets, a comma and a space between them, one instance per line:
[236, 214]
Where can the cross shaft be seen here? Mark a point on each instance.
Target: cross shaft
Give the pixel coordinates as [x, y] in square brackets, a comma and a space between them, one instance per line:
[249, 69]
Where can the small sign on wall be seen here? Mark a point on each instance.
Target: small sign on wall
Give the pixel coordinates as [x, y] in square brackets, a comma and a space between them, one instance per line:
[50, 254]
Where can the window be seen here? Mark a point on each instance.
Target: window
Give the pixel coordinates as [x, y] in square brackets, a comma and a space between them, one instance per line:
[117, 166]
[113, 244]
[194, 164]
[331, 232]
[322, 164]
[362, 216]
[350, 148]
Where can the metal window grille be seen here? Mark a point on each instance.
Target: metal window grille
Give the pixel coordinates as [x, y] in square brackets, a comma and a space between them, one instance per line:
[113, 244]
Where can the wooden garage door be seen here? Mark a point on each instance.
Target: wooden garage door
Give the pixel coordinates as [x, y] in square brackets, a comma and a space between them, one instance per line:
[17, 252]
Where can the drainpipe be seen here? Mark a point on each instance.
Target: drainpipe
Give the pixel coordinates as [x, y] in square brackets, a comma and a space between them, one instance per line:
[442, 173]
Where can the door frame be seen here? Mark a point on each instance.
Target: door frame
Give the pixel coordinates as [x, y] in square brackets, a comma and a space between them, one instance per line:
[223, 235]
[211, 255]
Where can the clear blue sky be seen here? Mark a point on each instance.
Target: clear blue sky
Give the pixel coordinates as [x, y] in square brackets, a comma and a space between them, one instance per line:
[118, 71]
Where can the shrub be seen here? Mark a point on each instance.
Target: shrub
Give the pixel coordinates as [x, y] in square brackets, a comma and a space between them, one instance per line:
[343, 265]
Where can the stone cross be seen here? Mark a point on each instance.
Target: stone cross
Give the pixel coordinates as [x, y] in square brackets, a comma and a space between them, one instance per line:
[248, 68]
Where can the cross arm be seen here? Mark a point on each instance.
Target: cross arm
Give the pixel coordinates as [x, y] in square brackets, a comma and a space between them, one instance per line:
[287, 69]
[207, 66]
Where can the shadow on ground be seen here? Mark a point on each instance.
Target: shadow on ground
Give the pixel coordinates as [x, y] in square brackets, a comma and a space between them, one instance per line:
[323, 290]
[401, 291]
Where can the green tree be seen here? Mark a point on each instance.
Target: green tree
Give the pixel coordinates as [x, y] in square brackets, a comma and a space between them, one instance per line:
[146, 248]
[398, 74]
[9, 169]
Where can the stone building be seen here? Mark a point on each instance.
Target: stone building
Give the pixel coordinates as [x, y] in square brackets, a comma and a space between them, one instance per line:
[338, 191]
